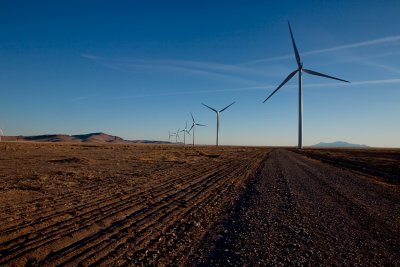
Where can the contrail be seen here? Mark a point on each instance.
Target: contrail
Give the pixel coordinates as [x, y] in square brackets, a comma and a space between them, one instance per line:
[266, 87]
[356, 83]
[384, 40]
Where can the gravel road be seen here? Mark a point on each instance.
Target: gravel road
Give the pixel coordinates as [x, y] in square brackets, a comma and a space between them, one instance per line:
[297, 210]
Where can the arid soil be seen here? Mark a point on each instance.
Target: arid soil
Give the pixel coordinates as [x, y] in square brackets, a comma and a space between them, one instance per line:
[381, 163]
[299, 211]
[70, 204]
[170, 205]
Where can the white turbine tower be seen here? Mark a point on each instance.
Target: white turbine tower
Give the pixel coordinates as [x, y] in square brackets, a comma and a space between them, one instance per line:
[185, 131]
[300, 70]
[1, 134]
[218, 112]
[193, 126]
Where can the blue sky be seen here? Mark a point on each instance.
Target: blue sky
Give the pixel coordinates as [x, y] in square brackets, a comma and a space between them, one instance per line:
[137, 68]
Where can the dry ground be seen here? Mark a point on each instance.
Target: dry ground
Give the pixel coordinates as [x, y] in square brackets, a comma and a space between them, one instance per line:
[108, 205]
[69, 204]
[300, 211]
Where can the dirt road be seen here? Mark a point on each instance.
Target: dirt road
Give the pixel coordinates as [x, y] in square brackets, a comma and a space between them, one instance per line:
[298, 210]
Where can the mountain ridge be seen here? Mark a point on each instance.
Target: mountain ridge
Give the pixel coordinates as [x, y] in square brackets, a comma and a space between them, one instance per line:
[339, 144]
[98, 137]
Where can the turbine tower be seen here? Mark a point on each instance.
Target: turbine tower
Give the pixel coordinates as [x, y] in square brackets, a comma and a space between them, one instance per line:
[193, 126]
[169, 136]
[185, 131]
[218, 112]
[1, 134]
[300, 70]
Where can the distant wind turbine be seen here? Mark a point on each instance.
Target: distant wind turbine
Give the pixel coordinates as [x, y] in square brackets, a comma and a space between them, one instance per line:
[218, 112]
[169, 136]
[1, 134]
[193, 126]
[185, 131]
[299, 70]
[177, 136]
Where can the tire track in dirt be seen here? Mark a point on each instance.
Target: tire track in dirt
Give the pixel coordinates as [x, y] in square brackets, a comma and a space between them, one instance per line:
[208, 196]
[211, 180]
[120, 218]
[151, 192]
[159, 184]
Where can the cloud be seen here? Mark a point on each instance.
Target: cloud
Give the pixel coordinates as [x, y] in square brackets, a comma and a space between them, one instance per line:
[380, 65]
[264, 87]
[210, 69]
[355, 83]
[354, 58]
[372, 42]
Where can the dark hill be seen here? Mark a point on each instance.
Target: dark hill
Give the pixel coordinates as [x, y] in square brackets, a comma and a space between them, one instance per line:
[87, 138]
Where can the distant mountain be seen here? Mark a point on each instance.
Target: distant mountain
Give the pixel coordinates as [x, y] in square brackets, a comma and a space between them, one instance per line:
[338, 144]
[85, 138]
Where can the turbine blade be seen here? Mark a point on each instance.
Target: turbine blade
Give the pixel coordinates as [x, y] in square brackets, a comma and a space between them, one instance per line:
[198, 124]
[226, 107]
[192, 127]
[210, 108]
[290, 76]
[192, 117]
[188, 133]
[296, 52]
[323, 75]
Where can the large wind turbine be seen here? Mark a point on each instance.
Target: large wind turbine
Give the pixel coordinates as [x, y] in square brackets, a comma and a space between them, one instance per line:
[218, 112]
[185, 131]
[299, 70]
[193, 126]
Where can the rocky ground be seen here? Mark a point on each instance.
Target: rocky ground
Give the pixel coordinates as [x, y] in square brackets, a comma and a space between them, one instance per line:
[170, 205]
[299, 211]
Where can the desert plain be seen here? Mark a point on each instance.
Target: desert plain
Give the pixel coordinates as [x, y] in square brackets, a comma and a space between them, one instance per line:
[84, 204]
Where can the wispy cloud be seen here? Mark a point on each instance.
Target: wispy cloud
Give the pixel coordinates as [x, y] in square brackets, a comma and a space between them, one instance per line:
[355, 58]
[264, 88]
[252, 88]
[214, 70]
[355, 83]
[381, 66]
[379, 41]
[80, 98]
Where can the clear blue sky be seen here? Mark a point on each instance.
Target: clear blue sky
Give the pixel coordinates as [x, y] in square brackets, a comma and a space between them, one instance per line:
[137, 68]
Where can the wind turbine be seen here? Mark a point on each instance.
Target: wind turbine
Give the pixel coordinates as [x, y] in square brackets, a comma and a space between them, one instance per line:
[169, 136]
[1, 134]
[177, 136]
[300, 70]
[185, 131]
[193, 126]
[218, 112]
